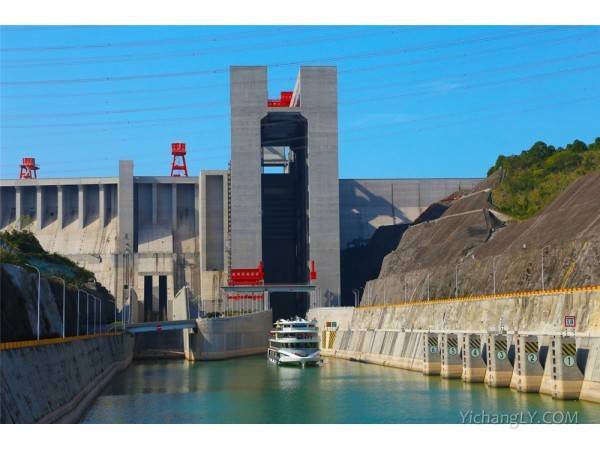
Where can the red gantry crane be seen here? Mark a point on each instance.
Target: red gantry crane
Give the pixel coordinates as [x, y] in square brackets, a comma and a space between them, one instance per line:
[178, 166]
[28, 168]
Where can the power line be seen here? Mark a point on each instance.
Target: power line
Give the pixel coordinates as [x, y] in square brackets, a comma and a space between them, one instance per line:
[190, 53]
[469, 120]
[494, 51]
[350, 102]
[432, 118]
[493, 116]
[483, 84]
[141, 43]
[116, 111]
[425, 47]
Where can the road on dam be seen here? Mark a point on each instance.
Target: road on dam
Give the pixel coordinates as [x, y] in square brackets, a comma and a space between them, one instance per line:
[251, 390]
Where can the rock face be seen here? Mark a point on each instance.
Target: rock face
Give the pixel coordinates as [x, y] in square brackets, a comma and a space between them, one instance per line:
[471, 241]
[18, 306]
[363, 263]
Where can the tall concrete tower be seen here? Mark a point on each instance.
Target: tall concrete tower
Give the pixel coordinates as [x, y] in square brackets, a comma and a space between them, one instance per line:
[284, 182]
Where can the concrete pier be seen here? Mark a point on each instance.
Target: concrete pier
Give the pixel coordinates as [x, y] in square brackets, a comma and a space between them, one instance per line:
[39, 208]
[528, 371]
[431, 354]
[80, 206]
[18, 207]
[228, 337]
[499, 368]
[562, 378]
[452, 366]
[473, 364]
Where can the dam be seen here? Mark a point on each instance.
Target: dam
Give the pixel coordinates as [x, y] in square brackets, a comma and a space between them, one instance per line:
[222, 254]
[280, 202]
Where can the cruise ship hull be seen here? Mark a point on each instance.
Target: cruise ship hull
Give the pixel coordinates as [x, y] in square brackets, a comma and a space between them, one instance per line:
[285, 359]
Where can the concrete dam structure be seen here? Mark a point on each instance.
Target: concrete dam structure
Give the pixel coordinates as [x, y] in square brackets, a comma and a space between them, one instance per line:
[281, 202]
[517, 340]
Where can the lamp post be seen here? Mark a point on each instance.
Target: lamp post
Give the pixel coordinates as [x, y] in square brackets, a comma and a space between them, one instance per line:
[63, 305]
[355, 292]
[38, 298]
[78, 293]
[543, 248]
[494, 273]
[456, 280]
[94, 313]
[87, 313]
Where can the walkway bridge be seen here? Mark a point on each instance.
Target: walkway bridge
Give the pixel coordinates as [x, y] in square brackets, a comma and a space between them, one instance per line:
[152, 327]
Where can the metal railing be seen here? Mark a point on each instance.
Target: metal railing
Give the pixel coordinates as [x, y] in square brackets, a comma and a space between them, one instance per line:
[50, 341]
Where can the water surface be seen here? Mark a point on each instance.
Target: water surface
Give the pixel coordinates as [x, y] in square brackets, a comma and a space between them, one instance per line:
[252, 390]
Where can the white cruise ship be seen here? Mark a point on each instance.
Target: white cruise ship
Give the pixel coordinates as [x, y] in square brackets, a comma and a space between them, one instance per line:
[294, 342]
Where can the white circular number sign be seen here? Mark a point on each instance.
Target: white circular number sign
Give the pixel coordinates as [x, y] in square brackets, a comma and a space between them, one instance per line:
[475, 352]
[433, 349]
[531, 357]
[452, 351]
[569, 361]
[501, 354]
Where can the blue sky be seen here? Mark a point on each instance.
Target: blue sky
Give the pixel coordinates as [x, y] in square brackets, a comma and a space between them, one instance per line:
[414, 101]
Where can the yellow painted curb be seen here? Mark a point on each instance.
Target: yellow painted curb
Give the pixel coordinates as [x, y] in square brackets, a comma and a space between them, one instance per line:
[486, 297]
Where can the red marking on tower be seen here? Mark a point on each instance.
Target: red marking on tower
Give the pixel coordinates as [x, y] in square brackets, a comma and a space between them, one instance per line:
[178, 166]
[284, 101]
[28, 168]
[313, 271]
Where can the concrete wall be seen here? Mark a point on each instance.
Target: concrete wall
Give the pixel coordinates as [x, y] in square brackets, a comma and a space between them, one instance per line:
[319, 105]
[341, 315]
[56, 382]
[229, 337]
[248, 97]
[365, 205]
[392, 335]
[119, 228]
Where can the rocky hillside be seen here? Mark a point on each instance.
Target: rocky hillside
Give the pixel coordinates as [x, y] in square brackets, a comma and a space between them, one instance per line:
[18, 291]
[472, 240]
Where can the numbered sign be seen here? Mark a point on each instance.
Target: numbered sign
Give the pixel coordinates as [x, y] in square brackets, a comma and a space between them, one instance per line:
[501, 354]
[569, 361]
[452, 351]
[531, 357]
[474, 352]
[433, 349]
[570, 322]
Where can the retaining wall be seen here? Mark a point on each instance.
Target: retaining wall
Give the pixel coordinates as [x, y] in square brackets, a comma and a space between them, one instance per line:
[57, 382]
[392, 335]
[228, 337]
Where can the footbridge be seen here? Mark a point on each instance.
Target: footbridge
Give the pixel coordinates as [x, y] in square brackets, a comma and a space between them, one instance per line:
[152, 327]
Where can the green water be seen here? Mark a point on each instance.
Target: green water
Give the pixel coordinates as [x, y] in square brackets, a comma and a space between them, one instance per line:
[251, 390]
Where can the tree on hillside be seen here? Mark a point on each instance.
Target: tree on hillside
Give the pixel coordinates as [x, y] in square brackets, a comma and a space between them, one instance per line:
[536, 176]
